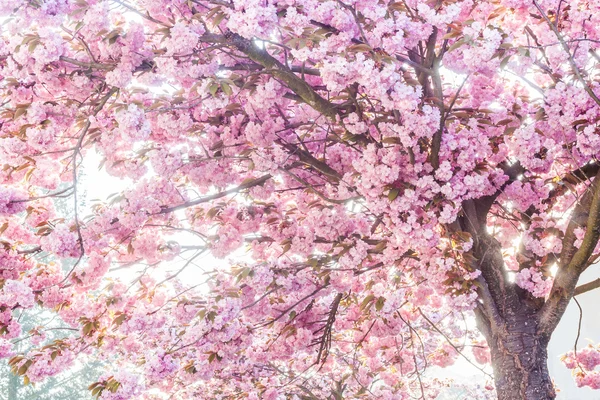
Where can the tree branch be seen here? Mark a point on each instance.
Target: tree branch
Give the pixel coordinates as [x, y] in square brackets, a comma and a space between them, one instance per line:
[573, 262]
[325, 340]
[249, 184]
[575, 177]
[84, 64]
[315, 191]
[258, 67]
[586, 287]
[309, 159]
[277, 69]
[436, 80]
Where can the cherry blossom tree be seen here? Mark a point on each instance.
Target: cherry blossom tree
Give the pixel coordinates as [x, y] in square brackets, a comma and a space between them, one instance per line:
[389, 172]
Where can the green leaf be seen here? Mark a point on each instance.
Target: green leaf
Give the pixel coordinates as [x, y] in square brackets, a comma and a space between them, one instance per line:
[32, 45]
[212, 89]
[119, 320]
[97, 391]
[22, 369]
[226, 88]
[393, 194]
[218, 19]
[457, 44]
[366, 301]
[20, 111]
[211, 316]
[87, 328]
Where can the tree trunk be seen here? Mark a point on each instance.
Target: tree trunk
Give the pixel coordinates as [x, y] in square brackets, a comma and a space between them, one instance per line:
[519, 358]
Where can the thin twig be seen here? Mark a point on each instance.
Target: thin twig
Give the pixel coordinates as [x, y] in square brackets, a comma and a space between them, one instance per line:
[578, 326]
[452, 344]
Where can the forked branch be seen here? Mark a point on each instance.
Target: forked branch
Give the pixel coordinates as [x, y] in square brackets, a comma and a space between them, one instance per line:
[573, 261]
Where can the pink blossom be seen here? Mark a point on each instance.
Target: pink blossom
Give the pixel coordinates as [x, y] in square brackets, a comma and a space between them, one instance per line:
[62, 241]
[10, 201]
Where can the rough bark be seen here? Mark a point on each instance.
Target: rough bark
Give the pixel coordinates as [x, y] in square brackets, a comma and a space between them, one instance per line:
[519, 356]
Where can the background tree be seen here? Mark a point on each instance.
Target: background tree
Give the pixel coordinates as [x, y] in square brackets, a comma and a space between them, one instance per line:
[68, 385]
[390, 168]
[39, 327]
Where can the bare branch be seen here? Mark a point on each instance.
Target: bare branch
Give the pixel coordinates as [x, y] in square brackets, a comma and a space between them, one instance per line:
[309, 159]
[315, 191]
[325, 339]
[84, 64]
[258, 67]
[247, 185]
[55, 194]
[586, 287]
